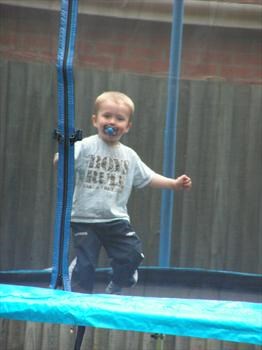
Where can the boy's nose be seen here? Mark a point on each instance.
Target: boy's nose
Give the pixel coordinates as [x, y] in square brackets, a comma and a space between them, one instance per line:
[111, 120]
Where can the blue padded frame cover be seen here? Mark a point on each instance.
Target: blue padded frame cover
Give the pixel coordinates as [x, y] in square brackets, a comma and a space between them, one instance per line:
[222, 320]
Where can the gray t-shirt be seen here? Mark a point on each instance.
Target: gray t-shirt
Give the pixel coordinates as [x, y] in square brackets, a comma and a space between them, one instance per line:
[104, 177]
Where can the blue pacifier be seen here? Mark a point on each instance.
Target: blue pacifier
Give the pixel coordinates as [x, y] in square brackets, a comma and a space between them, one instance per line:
[110, 130]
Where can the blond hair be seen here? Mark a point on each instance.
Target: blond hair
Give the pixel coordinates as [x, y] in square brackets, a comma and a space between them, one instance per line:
[115, 96]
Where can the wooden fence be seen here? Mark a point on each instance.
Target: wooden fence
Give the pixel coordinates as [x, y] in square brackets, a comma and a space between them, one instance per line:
[216, 225]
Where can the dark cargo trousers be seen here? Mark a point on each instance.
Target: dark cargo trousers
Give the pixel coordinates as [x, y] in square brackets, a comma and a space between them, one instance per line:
[122, 245]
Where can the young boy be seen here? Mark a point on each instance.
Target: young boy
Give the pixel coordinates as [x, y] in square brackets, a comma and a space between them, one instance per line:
[105, 172]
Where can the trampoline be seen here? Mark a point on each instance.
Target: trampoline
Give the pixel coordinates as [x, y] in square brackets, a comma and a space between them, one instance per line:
[172, 301]
[169, 301]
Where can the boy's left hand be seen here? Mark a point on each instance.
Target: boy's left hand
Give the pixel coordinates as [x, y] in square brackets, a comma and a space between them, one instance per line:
[184, 182]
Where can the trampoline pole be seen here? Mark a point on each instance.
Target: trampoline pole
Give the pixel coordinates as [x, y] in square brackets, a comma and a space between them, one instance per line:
[65, 135]
[167, 200]
[79, 337]
[159, 338]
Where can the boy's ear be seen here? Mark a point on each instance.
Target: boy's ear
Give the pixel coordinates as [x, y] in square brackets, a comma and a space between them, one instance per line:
[129, 126]
[94, 120]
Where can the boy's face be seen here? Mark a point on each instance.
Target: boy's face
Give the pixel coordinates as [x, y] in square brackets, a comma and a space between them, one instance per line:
[112, 121]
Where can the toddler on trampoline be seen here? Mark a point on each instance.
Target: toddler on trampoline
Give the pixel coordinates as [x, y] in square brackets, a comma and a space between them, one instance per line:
[105, 172]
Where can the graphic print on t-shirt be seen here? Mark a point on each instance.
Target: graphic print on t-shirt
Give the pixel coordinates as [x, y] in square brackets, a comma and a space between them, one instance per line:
[104, 173]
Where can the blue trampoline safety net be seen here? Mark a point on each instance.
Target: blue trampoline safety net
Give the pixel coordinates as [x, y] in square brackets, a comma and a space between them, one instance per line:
[196, 83]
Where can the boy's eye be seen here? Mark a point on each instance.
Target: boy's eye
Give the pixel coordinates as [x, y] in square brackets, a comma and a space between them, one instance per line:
[120, 118]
